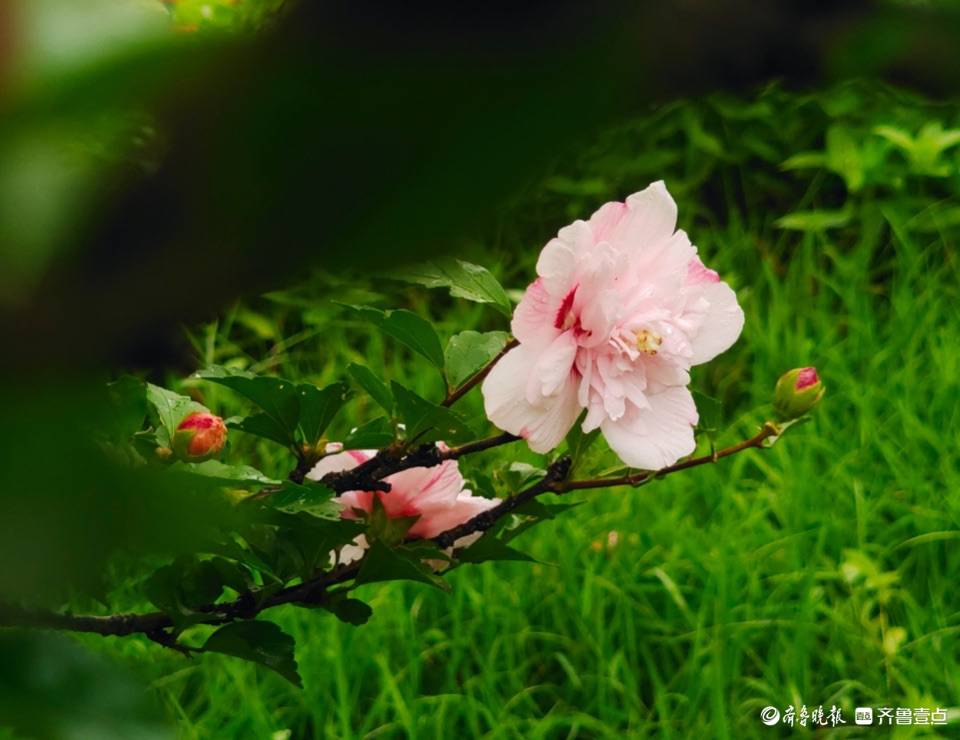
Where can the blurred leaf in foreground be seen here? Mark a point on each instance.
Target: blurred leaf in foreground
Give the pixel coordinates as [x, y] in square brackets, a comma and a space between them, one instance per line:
[54, 689]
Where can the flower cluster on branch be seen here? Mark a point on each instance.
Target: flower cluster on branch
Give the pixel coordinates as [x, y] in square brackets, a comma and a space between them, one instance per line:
[603, 343]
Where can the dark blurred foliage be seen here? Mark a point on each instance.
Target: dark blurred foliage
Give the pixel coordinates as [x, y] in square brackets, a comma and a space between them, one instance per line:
[52, 688]
[70, 500]
[370, 132]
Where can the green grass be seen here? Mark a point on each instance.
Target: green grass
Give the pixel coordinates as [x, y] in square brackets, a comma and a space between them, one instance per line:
[822, 571]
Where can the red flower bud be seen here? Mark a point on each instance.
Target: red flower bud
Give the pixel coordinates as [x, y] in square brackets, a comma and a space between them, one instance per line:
[806, 377]
[798, 391]
[200, 436]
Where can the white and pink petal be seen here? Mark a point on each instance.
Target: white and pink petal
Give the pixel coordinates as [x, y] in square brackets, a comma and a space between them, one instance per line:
[721, 325]
[436, 519]
[650, 218]
[543, 424]
[418, 486]
[557, 265]
[339, 461]
[658, 436]
[535, 317]
[605, 219]
[553, 367]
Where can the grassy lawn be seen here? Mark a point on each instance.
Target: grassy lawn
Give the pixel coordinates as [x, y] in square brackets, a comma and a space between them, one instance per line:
[820, 572]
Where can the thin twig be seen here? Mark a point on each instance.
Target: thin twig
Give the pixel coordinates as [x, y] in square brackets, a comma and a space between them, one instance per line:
[478, 377]
[554, 482]
[769, 430]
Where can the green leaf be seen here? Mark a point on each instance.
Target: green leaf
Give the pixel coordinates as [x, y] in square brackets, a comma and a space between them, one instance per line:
[318, 406]
[490, 547]
[188, 583]
[351, 611]
[805, 160]
[147, 442]
[482, 483]
[171, 408]
[128, 401]
[382, 563]
[279, 399]
[201, 584]
[161, 589]
[710, 411]
[216, 470]
[377, 389]
[518, 475]
[374, 434]
[242, 553]
[531, 514]
[819, 220]
[936, 218]
[386, 529]
[464, 279]
[261, 425]
[54, 687]
[699, 137]
[468, 351]
[426, 550]
[577, 442]
[897, 137]
[289, 409]
[304, 542]
[591, 186]
[312, 498]
[426, 421]
[407, 328]
[844, 156]
[259, 324]
[259, 642]
[231, 574]
[540, 510]
[930, 143]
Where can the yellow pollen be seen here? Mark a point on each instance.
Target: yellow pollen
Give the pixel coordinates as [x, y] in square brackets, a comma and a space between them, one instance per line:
[648, 342]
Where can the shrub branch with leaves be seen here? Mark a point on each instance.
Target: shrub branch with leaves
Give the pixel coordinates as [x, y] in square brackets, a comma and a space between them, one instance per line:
[602, 343]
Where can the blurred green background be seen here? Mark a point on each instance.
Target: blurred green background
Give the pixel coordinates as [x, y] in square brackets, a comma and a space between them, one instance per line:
[820, 572]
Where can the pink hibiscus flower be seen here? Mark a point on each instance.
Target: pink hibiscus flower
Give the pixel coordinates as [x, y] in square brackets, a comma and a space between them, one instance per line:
[436, 494]
[621, 310]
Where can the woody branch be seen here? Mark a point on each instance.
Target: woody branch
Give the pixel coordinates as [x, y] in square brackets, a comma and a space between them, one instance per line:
[314, 590]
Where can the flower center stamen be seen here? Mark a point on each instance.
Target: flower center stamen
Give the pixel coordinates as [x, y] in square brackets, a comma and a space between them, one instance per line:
[648, 342]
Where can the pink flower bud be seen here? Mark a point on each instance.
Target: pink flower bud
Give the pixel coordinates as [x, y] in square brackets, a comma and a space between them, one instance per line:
[200, 436]
[806, 377]
[797, 392]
